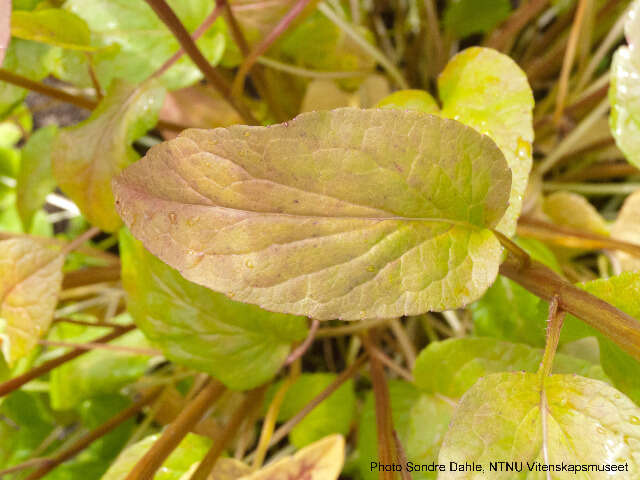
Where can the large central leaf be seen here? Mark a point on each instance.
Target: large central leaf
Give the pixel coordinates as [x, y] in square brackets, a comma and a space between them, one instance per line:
[343, 214]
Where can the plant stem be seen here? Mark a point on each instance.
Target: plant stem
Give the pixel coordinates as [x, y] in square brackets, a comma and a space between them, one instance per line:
[59, 94]
[304, 72]
[213, 16]
[167, 15]
[86, 440]
[294, 12]
[243, 412]
[269, 423]
[554, 326]
[304, 346]
[80, 239]
[101, 346]
[386, 450]
[402, 456]
[146, 468]
[601, 171]
[574, 137]
[366, 47]
[406, 346]
[260, 80]
[545, 283]
[286, 427]
[569, 58]
[16, 382]
[594, 189]
[350, 329]
[502, 38]
[572, 238]
[612, 38]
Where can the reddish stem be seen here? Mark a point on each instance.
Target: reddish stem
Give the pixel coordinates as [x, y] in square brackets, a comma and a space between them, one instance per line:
[15, 383]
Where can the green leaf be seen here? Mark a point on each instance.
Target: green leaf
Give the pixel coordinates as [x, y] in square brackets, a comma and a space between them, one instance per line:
[582, 422]
[29, 59]
[328, 215]
[97, 372]
[190, 450]
[52, 26]
[143, 41]
[411, 100]
[86, 156]
[35, 423]
[35, 179]
[452, 366]
[464, 17]
[318, 44]
[488, 91]
[332, 415]
[30, 280]
[624, 92]
[622, 292]
[241, 345]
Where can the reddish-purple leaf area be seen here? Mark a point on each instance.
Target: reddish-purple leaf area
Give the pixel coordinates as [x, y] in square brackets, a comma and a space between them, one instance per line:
[348, 213]
[5, 27]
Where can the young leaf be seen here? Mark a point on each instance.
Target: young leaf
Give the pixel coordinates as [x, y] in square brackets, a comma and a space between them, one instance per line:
[321, 460]
[574, 420]
[143, 42]
[573, 210]
[627, 228]
[52, 26]
[465, 17]
[35, 179]
[624, 92]
[462, 361]
[488, 90]
[329, 215]
[241, 345]
[30, 280]
[190, 450]
[86, 156]
[333, 415]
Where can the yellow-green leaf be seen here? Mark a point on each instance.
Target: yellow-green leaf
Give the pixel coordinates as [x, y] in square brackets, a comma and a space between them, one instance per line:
[52, 26]
[624, 92]
[348, 213]
[572, 420]
[488, 91]
[35, 180]
[30, 280]
[573, 210]
[627, 228]
[321, 460]
[86, 156]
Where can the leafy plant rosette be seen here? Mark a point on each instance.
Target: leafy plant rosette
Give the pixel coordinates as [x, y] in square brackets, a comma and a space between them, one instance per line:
[257, 204]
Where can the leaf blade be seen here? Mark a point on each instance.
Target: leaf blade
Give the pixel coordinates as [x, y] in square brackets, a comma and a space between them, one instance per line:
[326, 194]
